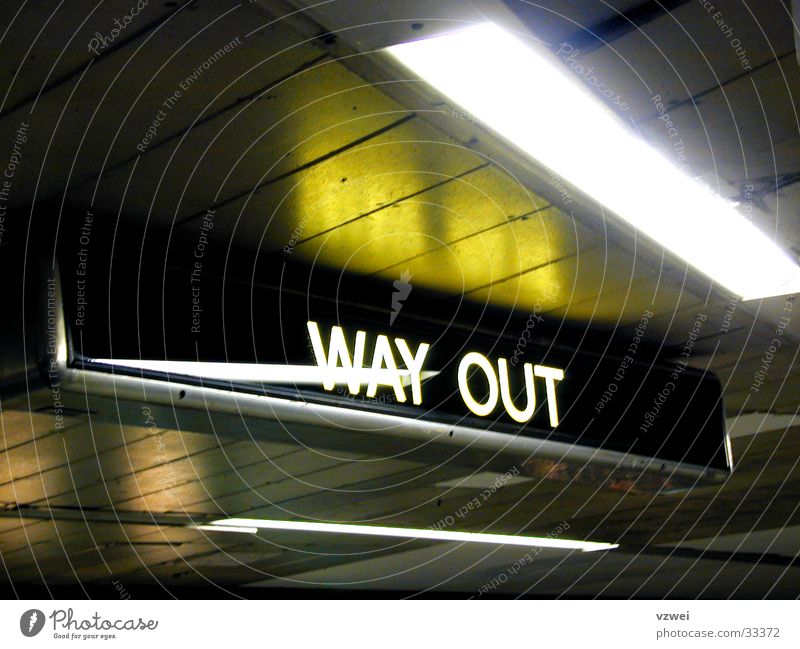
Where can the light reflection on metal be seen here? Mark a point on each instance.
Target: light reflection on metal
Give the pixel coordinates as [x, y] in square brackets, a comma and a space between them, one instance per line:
[254, 524]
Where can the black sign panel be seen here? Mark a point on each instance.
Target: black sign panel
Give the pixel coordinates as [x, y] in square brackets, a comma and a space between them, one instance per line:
[392, 350]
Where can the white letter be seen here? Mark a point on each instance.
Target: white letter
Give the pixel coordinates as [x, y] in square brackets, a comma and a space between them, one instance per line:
[414, 364]
[338, 353]
[551, 375]
[474, 358]
[517, 415]
[383, 356]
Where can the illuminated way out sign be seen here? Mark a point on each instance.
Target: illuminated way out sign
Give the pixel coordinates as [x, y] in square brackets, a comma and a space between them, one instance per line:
[344, 363]
[333, 342]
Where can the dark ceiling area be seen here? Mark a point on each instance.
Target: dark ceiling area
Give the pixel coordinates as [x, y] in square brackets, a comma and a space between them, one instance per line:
[272, 148]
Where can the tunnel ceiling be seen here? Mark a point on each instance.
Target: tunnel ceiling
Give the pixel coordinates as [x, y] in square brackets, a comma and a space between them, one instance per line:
[293, 139]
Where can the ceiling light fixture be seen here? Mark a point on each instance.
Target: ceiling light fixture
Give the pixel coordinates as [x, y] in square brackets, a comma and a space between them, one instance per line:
[254, 524]
[527, 97]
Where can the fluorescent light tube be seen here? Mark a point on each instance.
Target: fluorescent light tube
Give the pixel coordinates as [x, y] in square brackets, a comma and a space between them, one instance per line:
[237, 524]
[528, 98]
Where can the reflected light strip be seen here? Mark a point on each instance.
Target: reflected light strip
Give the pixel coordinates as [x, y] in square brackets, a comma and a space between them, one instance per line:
[253, 524]
[258, 373]
[530, 99]
[225, 528]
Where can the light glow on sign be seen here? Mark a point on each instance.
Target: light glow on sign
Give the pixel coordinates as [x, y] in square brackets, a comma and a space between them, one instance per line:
[254, 524]
[276, 374]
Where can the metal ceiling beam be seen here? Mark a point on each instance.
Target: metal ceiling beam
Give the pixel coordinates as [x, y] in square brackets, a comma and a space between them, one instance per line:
[104, 516]
[105, 53]
[796, 27]
[608, 31]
